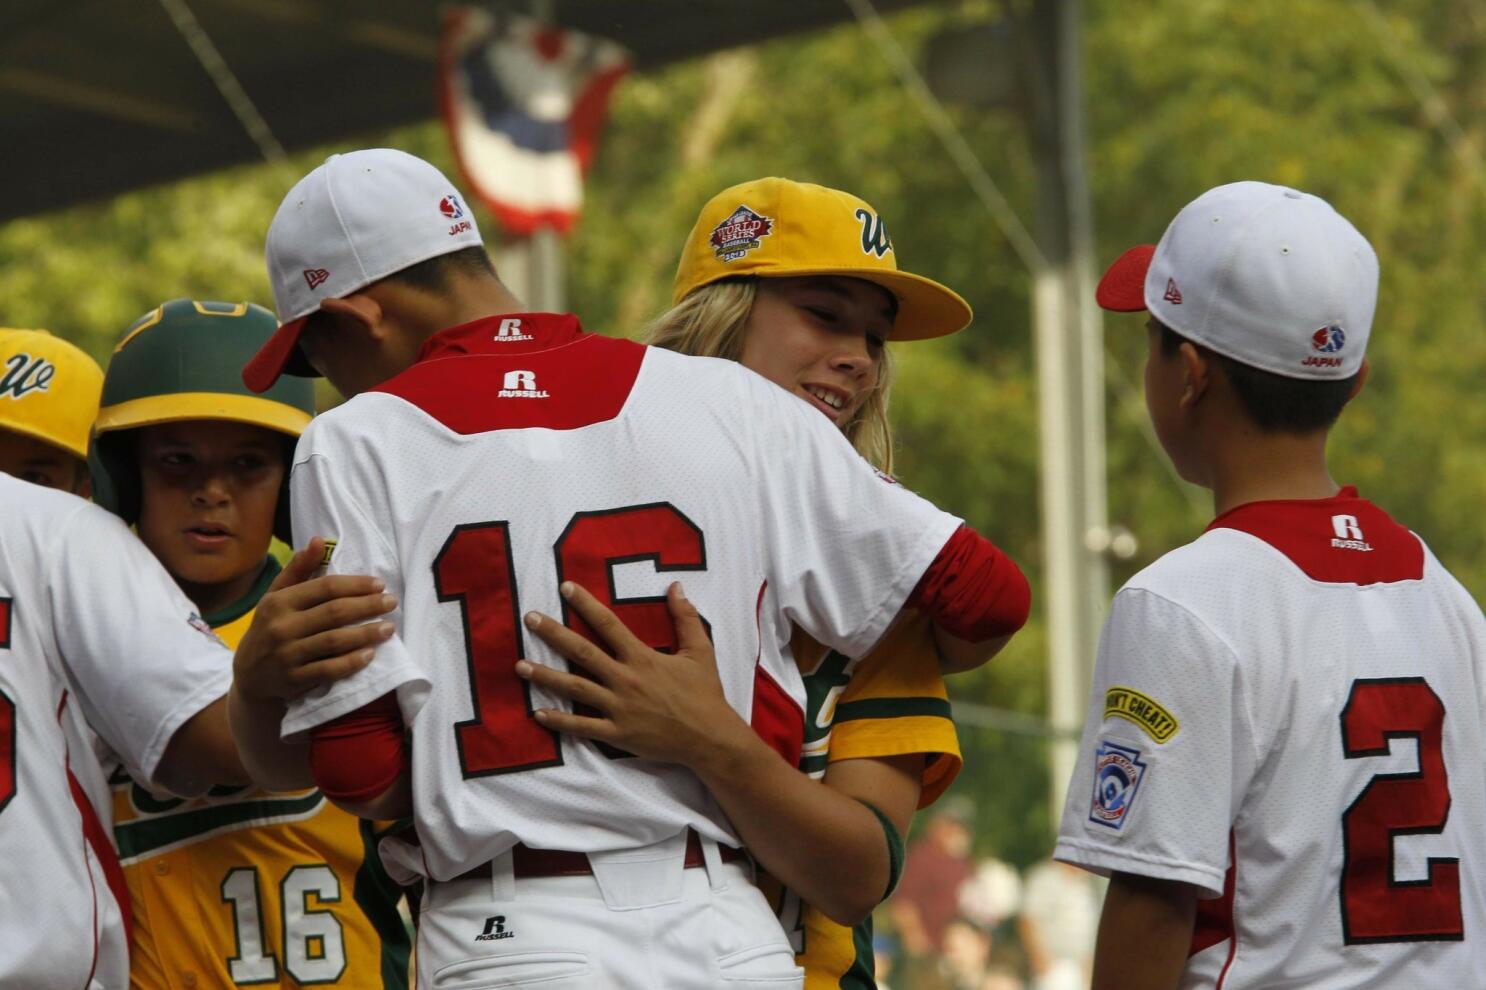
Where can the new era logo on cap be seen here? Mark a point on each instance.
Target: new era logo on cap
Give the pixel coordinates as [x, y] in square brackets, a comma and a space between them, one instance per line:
[315, 276]
[1173, 294]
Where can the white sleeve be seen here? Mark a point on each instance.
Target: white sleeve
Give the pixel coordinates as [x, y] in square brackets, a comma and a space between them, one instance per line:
[846, 544]
[330, 502]
[1165, 755]
[139, 659]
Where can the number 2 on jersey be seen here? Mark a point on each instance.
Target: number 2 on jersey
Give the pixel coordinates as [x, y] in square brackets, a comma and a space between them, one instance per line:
[1376, 907]
[476, 569]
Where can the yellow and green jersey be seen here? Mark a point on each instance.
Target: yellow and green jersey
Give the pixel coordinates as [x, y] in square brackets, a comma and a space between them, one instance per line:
[246, 887]
[890, 702]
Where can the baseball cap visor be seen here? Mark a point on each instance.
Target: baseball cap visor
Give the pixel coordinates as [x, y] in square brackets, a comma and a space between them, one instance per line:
[151, 410]
[45, 436]
[1122, 289]
[926, 309]
[279, 356]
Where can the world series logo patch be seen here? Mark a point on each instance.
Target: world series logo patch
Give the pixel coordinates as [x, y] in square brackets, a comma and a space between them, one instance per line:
[1117, 775]
[739, 233]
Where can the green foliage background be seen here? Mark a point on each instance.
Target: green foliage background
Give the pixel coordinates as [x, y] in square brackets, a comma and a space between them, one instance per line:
[1333, 96]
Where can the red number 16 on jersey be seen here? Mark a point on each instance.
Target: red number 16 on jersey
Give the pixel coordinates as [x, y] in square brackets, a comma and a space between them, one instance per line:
[475, 568]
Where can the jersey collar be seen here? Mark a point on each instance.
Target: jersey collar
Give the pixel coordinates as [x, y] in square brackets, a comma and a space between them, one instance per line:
[506, 333]
[1284, 506]
[249, 601]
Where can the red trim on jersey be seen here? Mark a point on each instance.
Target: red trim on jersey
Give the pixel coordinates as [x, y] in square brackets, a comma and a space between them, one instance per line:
[1228, 892]
[1214, 921]
[359, 755]
[776, 717]
[972, 590]
[96, 836]
[473, 380]
[504, 333]
[1340, 540]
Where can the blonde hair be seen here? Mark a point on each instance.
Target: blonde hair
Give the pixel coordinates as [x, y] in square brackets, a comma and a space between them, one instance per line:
[712, 321]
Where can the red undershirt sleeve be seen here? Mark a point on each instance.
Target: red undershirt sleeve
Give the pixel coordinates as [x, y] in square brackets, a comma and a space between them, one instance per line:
[972, 590]
[359, 755]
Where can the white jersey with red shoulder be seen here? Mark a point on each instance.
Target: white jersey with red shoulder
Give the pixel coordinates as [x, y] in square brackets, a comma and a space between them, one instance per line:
[520, 452]
[1288, 714]
[91, 627]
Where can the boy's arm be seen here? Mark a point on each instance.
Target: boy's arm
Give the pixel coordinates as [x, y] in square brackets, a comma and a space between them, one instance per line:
[304, 634]
[1145, 933]
[824, 841]
[977, 597]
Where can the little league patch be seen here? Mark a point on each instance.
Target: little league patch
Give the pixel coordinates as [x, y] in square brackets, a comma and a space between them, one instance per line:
[1117, 775]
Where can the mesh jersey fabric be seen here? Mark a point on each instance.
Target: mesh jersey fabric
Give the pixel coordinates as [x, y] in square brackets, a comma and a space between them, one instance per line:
[453, 484]
[70, 647]
[1257, 701]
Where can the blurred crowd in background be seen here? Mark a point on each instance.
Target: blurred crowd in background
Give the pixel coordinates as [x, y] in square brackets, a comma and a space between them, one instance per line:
[962, 922]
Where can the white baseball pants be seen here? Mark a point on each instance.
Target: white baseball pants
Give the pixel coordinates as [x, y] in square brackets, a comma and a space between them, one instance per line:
[641, 921]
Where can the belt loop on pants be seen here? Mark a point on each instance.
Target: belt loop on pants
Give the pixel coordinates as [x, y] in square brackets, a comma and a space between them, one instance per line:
[503, 877]
[712, 860]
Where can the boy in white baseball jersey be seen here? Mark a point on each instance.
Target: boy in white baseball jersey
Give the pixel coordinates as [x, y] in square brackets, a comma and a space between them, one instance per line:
[1281, 764]
[481, 468]
[79, 595]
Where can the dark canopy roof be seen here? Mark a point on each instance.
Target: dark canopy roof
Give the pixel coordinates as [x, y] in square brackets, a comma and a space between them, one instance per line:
[101, 96]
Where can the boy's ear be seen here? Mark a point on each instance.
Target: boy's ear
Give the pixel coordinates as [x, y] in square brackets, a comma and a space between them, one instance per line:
[1196, 374]
[358, 310]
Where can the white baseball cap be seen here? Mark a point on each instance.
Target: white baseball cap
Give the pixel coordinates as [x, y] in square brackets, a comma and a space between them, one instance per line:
[355, 219]
[1273, 278]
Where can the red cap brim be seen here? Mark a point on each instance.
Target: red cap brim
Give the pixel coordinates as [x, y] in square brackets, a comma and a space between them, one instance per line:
[279, 355]
[1122, 289]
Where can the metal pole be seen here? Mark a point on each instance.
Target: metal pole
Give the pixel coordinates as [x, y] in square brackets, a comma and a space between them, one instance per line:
[1069, 348]
[534, 267]
[548, 271]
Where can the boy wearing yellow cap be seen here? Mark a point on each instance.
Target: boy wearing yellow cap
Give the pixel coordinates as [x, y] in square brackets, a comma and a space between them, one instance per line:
[800, 283]
[48, 398]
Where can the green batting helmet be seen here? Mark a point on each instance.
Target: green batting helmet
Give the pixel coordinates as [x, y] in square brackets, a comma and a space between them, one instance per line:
[183, 360]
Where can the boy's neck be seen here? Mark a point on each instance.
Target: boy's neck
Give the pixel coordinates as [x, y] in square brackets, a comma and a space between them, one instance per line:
[211, 600]
[1248, 466]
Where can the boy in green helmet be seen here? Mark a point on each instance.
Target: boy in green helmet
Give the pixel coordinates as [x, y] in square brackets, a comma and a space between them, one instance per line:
[242, 886]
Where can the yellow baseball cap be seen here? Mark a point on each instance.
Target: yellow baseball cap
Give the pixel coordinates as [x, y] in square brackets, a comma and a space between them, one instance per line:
[778, 228]
[49, 389]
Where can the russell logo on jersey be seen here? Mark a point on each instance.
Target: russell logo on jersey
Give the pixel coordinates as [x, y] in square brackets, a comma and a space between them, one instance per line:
[510, 331]
[521, 385]
[1348, 534]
